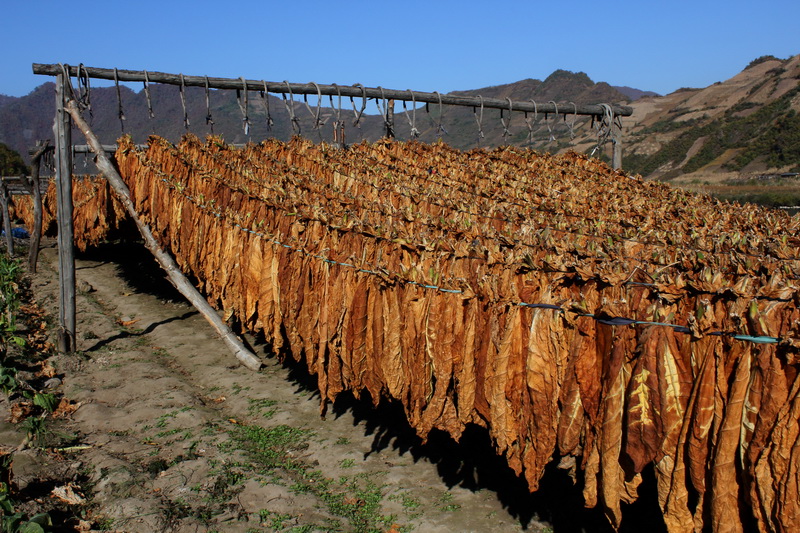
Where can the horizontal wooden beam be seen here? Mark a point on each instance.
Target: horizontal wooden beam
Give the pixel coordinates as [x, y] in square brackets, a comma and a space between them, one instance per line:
[18, 185]
[108, 148]
[355, 91]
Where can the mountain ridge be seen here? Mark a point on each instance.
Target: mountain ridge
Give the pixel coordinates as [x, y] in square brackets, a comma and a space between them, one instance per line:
[25, 119]
[722, 131]
[744, 126]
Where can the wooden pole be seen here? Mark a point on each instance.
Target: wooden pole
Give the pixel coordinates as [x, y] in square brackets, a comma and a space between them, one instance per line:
[616, 144]
[390, 119]
[332, 90]
[166, 261]
[36, 194]
[616, 161]
[4, 201]
[62, 130]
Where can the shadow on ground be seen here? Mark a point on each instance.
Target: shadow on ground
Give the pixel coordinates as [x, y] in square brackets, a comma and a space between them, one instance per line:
[470, 463]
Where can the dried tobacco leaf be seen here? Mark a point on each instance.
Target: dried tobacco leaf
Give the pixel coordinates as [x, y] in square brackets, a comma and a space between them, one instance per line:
[643, 419]
[257, 227]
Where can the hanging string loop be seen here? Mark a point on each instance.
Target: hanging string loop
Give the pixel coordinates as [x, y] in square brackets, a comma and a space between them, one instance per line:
[150, 113]
[530, 122]
[209, 118]
[241, 100]
[338, 123]
[604, 128]
[265, 102]
[83, 96]
[384, 110]
[505, 123]
[315, 114]
[290, 109]
[479, 120]
[412, 118]
[440, 127]
[571, 125]
[555, 118]
[359, 113]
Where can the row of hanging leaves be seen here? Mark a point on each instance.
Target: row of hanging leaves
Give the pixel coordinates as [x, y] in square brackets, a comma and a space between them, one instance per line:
[403, 270]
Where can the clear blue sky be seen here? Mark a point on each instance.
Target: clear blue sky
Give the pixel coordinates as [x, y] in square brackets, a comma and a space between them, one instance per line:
[426, 46]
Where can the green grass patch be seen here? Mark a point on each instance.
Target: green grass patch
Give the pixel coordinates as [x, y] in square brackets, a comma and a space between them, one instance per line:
[356, 499]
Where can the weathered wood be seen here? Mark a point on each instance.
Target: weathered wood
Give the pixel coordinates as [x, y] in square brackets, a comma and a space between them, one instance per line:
[332, 90]
[166, 261]
[390, 119]
[62, 129]
[21, 185]
[36, 192]
[4, 201]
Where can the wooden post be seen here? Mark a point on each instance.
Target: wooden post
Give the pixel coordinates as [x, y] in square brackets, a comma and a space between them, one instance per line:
[166, 261]
[62, 130]
[616, 144]
[4, 201]
[36, 194]
[390, 119]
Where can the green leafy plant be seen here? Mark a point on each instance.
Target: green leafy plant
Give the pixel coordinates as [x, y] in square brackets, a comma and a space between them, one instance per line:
[8, 380]
[13, 521]
[46, 401]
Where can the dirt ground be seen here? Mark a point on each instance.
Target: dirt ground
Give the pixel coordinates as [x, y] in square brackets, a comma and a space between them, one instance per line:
[172, 434]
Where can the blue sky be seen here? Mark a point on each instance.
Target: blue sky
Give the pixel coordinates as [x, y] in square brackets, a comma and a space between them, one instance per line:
[425, 46]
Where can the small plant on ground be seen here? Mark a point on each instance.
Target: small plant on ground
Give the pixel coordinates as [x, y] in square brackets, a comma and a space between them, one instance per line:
[12, 520]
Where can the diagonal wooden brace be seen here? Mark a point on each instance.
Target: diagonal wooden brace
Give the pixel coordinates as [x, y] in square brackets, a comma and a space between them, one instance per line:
[166, 261]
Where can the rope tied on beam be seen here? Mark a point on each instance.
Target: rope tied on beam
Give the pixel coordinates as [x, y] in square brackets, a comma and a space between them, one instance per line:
[318, 122]
[571, 125]
[146, 83]
[555, 117]
[439, 126]
[412, 118]
[290, 109]
[338, 123]
[530, 122]
[358, 114]
[209, 118]
[241, 100]
[81, 97]
[383, 110]
[84, 96]
[265, 102]
[120, 112]
[504, 122]
[479, 120]
[183, 103]
[603, 127]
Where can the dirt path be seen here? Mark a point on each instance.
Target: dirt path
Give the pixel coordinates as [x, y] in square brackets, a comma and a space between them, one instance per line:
[173, 435]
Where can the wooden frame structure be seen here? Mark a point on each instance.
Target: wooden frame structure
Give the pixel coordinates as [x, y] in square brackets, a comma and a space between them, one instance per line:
[67, 111]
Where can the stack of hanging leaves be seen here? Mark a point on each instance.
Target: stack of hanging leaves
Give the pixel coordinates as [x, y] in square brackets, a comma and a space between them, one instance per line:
[579, 314]
[98, 214]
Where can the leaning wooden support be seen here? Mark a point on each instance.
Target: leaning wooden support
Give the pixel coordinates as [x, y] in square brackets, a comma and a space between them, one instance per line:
[4, 201]
[166, 261]
[36, 194]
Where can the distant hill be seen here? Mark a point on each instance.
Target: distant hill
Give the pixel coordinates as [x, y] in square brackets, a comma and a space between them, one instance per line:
[743, 127]
[634, 94]
[736, 129]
